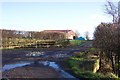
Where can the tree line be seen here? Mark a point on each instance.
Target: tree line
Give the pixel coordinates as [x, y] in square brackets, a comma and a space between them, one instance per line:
[12, 38]
[6, 34]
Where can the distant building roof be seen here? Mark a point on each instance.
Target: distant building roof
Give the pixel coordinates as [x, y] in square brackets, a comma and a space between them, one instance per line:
[64, 31]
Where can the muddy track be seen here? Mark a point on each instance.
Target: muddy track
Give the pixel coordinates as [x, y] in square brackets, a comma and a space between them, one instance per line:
[54, 55]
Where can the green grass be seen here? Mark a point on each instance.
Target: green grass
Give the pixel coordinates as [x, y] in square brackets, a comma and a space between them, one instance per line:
[25, 42]
[75, 67]
[6, 43]
[91, 49]
[83, 68]
[76, 42]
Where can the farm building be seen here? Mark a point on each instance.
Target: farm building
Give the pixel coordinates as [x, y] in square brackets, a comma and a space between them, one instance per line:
[68, 33]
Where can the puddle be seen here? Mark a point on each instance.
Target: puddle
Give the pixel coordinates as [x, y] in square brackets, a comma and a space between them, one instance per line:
[61, 55]
[34, 54]
[15, 65]
[50, 64]
[57, 68]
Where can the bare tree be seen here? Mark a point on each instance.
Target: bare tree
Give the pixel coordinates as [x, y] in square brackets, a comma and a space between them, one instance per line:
[112, 10]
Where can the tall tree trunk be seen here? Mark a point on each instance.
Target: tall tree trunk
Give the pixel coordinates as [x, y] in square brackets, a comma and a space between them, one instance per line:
[118, 66]
[116, 62]
[100, 55]
[112, 60]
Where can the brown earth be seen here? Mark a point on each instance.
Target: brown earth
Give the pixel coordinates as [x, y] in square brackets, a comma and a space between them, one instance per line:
[32, 71]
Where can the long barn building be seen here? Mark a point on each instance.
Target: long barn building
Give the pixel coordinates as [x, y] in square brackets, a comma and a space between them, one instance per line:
[68, 33]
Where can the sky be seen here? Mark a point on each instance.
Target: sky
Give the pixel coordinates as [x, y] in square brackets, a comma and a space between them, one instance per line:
[32, 15]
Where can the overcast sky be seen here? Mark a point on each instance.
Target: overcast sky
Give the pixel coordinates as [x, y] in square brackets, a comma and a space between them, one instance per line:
[34, 15]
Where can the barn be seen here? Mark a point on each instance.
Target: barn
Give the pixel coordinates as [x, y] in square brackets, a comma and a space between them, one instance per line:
[68, 33]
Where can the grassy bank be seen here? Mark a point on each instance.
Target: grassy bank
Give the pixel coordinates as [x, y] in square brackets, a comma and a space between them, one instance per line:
[76, 42]
[33, 43]
[83, 66]
[23, 42]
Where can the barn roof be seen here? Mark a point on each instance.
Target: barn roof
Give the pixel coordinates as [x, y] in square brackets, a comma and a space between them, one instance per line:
[64, 31]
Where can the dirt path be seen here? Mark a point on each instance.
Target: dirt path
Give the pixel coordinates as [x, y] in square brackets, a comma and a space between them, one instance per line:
[32, 71]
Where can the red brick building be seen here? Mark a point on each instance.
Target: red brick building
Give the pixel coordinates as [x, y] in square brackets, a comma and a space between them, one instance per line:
[68, 33]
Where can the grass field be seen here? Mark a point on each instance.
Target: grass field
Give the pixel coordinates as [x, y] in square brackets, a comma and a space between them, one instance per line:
[76, 42]
[7, 43]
